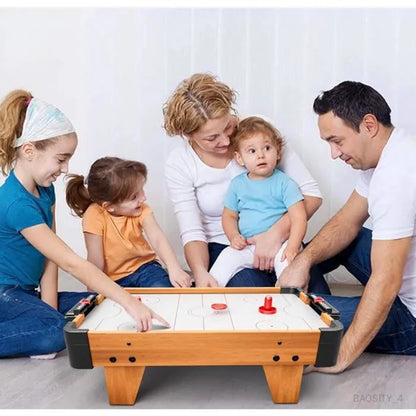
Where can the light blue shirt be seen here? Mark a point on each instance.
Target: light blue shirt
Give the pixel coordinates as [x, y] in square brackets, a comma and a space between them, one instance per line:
[260, 203]
[20, 263]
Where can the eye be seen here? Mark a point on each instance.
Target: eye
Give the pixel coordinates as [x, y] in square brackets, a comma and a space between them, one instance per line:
[251, 151]
[267, 147]
[211, 138]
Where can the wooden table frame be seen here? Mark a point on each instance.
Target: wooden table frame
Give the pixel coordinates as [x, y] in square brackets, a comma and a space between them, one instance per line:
[125, 354]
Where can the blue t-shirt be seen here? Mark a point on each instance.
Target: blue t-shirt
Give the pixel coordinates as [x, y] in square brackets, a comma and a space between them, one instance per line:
[20, 263]
[260, 203]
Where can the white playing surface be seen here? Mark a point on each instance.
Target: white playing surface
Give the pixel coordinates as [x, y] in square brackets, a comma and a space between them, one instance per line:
[194, 312]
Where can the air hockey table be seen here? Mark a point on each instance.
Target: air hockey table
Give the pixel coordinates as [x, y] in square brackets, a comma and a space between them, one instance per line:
[209, 326]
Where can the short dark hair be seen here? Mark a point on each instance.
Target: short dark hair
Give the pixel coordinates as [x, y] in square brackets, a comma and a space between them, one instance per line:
[351, 101]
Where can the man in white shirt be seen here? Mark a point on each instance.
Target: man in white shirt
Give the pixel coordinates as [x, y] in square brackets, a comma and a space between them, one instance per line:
[354, 120]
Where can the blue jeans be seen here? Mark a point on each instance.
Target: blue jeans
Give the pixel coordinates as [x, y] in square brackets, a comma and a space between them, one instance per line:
[28, 326]
[398, 333]
[245, 277]
[150, 274]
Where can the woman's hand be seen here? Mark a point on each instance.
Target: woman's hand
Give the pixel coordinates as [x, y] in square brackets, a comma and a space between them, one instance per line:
[267, 245]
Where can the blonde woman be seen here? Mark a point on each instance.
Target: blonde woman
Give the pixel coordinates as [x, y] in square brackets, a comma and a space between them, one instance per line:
[199, 171]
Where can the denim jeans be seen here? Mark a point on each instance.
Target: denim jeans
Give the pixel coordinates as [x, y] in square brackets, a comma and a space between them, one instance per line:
[150, 274]
[398, 333]
[28, 326]
[245, 277]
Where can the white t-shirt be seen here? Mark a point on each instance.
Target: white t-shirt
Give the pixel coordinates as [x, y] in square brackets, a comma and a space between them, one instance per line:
[390, 189]
[197, 191]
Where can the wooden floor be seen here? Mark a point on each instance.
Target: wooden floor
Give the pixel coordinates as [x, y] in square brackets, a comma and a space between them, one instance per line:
[375, 381]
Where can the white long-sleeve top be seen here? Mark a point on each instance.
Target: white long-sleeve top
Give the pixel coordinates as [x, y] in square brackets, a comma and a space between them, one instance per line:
[197, 191]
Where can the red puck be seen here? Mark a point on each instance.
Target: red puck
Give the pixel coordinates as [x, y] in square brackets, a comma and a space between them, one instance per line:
[219, 306]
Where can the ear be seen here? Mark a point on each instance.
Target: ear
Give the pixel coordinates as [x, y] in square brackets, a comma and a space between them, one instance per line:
[279, 156]
[370, 125]
[238, 158]
[28, 151]
[108, 207]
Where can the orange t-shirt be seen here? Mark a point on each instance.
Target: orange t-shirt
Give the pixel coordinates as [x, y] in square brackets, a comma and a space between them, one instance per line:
[125, 248]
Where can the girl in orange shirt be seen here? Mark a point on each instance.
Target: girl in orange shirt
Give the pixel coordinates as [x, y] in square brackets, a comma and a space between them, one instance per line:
[111, 202]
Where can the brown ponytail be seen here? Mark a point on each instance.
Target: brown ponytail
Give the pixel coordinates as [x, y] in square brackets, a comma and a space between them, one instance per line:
[110, 180]
[77, 195]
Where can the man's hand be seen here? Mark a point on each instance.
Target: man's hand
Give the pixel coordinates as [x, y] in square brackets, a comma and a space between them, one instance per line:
[336, 369]
[295, 274]
[343, 362]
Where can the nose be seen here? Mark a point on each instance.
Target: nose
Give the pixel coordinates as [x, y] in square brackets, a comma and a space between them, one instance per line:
[224, 139]
[260, 154]
[64, 167]
[335, 152]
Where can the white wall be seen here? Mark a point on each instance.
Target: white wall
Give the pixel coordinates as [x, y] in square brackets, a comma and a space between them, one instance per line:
[110, 71]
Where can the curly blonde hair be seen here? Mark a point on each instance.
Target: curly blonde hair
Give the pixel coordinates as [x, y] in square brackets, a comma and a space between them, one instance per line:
[12, 116]
[196, 100]
[252, 125]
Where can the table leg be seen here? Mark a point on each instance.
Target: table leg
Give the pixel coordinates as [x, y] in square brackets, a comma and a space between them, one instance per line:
[123, 383]
[284, 382]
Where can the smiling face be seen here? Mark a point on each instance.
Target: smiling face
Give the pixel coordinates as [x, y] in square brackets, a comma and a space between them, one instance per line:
[132, 206]
[353, 147]
[45, 165]
[259, 154]
[213, 138]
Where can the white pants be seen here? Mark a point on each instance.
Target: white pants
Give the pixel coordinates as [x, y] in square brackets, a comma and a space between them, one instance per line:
[231, 261]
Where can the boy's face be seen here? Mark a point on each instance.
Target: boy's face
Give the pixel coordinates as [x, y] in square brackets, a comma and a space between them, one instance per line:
[258, 154]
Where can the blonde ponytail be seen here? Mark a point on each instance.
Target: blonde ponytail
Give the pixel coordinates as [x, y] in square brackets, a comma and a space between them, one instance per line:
[12, 116]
